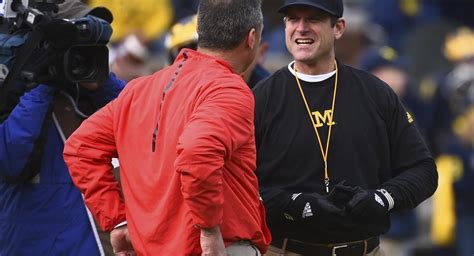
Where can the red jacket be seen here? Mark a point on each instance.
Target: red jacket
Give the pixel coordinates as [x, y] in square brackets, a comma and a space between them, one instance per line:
[185, 140]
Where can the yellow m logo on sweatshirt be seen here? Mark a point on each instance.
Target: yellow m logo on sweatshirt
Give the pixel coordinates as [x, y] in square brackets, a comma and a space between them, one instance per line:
[321, 119]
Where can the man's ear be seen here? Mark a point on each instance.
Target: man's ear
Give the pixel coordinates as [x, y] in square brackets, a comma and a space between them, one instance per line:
[252, 39]
[339, 28]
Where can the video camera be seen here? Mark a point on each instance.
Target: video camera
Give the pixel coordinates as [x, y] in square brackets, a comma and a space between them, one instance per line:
[65, 50]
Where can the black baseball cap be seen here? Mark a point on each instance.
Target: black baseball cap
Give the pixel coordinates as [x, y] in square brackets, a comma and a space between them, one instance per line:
[333, 7]
[72, 9]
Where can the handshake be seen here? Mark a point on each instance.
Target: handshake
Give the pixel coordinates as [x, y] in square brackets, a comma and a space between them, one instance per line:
[344, 205]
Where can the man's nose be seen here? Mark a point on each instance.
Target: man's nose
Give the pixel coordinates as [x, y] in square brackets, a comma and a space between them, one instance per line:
[302, 25]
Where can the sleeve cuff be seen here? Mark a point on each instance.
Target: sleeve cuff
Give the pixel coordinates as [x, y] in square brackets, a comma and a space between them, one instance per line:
[388, 196]
[121, 224]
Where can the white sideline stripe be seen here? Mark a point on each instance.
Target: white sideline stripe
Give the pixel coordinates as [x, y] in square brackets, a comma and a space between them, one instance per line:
[89, 214]
[94, 229]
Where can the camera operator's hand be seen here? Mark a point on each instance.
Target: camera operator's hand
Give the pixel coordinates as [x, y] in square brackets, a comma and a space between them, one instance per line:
[121, 243]
[369, 204]
[41, 68]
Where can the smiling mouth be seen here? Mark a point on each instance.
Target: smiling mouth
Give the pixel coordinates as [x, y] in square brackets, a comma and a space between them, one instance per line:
[304, 41]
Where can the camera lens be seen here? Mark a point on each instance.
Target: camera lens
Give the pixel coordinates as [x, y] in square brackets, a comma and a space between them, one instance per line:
[83, 66]
[86, 63]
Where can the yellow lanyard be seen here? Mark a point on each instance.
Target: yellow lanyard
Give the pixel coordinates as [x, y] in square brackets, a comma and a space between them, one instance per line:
[324, 153]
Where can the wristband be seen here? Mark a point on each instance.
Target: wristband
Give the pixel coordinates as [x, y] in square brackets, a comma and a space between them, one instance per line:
[386, 194]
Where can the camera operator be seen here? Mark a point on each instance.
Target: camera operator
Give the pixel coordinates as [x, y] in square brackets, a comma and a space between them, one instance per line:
[42, 212]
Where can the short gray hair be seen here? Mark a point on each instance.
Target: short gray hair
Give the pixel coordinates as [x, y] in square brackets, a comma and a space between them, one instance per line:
[224, 24]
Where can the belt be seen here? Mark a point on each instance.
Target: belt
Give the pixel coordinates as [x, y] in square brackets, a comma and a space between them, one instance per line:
[356, 248]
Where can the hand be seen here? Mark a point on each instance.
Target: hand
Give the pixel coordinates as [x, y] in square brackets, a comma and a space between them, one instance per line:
[121, 243]
[212, 243]
[369, 204]
[313, 209]
[342, 193]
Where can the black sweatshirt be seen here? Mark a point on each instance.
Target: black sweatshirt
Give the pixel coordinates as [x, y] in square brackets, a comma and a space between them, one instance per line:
[374, 144]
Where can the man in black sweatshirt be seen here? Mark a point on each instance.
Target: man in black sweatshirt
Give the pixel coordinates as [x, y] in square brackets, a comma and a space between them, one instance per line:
[336, 149]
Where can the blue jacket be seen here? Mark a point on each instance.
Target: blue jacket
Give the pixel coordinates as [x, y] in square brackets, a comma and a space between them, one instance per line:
[44, 216]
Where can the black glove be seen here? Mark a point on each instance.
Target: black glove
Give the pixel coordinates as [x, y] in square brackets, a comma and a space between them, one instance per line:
[342, 193]
[275, 201]
[369, 204]
[313, 209]
[304, 206]
[43, 67]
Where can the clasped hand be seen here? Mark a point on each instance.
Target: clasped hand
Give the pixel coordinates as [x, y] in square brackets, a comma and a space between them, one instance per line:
[340, 207]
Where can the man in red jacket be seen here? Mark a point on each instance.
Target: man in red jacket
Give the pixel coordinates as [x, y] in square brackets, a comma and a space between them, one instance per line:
[185, 140]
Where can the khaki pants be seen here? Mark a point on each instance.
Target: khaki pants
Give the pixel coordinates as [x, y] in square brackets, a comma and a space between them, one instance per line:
[274, 251]
[242, 248]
